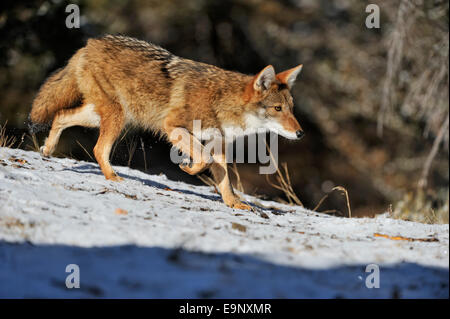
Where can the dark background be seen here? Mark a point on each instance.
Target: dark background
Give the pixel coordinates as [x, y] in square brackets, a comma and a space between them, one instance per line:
[355, 81]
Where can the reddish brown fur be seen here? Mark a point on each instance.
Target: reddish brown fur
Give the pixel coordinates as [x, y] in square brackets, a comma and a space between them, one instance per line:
[118, 80]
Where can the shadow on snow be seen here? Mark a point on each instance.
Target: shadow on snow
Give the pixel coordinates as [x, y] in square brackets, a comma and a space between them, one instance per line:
[30, 271]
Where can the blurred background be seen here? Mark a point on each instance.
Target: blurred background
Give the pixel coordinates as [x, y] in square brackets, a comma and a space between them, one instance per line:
[373, 102]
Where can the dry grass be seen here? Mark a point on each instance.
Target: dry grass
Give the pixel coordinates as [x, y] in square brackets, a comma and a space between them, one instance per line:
[283, 182]
[144, 154]
[5, 140]
[117, 142]
[85, 150]
[208, 181]
[131, 144]
[416, 82]
[418, 206]
[238, 185]
[34, 146]
[344, 192]
[434, 149]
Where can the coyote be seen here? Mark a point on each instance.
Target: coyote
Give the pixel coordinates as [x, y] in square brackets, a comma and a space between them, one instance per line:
[115, 80]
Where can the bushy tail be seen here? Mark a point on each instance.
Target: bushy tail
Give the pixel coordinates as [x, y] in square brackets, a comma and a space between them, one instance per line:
[58, 92]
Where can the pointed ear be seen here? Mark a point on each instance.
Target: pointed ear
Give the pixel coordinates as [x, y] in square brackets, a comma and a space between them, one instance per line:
[288, 77]
[264, 79]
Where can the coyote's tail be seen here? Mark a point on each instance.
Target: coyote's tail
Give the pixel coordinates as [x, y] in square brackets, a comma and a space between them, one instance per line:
[58, 92]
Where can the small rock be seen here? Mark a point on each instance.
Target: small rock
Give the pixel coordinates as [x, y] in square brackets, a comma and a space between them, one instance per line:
[239, 227]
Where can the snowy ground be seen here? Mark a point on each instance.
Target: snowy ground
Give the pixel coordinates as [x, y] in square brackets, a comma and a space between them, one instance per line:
[150, 237]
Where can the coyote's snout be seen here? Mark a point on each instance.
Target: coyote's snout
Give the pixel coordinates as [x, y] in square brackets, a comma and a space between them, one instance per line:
[114, 81]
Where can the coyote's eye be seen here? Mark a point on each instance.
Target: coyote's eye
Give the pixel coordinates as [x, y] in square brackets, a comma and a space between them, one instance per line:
[278, 108]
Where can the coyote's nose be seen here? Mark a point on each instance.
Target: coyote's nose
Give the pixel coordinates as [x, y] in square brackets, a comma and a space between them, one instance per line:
[300, 134]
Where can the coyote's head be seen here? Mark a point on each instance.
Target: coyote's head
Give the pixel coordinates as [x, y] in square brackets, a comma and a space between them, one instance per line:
[272, 104]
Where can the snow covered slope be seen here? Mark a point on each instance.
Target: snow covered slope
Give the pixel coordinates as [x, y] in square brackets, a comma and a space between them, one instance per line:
[150, 237]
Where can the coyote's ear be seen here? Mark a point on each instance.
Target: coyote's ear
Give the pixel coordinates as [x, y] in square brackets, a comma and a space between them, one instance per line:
[264, 79]
[288, 77]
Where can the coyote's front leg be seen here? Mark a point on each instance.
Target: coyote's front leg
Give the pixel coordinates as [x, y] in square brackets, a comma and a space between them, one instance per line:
[198, 160]
[219, 169]
[191, 146]
[193, 168]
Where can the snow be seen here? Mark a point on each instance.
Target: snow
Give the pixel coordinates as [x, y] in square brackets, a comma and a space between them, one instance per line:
[175, 240]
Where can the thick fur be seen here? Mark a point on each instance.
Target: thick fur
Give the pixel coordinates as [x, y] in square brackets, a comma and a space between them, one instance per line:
[58, 92]
[117, 80]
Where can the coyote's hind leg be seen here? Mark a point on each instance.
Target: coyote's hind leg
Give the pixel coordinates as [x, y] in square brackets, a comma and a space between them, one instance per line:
[83, 116]
[111, 124]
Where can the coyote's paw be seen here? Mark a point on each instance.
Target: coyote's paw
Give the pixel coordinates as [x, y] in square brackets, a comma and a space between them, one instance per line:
[240, 205]
[192, 168]
[114, 178]
[44, 151]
